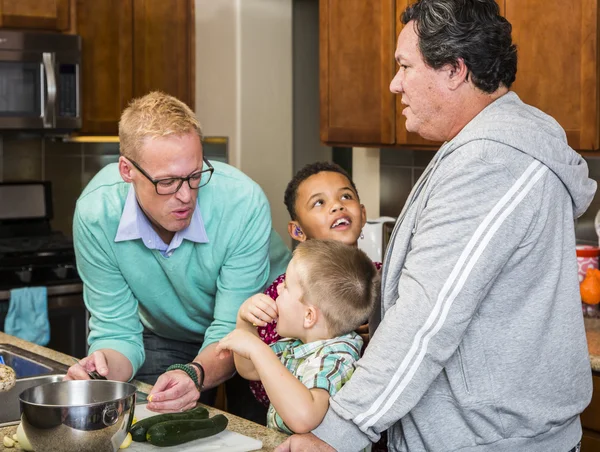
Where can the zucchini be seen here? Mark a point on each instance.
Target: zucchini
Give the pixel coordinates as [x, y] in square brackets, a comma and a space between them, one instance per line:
[140, 428]
[172, 433]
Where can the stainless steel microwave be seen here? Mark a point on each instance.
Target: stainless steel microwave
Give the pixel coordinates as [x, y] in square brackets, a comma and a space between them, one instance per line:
[39, 81]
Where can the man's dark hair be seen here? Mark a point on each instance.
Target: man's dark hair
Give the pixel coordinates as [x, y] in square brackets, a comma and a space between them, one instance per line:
[291, 192]
[472, 30]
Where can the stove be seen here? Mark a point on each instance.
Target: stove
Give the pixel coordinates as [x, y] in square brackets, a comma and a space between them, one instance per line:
[32, 254]
[37, 261]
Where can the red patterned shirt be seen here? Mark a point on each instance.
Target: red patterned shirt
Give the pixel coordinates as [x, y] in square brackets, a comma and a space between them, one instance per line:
[269, 335]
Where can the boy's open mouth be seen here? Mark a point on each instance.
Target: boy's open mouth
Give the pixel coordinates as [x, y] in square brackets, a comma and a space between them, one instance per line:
[341, 222]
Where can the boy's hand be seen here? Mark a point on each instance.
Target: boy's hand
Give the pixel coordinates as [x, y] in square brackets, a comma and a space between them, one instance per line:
[259, 310]
[240, 342]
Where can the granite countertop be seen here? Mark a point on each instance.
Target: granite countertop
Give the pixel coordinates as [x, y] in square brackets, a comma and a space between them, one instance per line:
[270, 438]
[592, 330]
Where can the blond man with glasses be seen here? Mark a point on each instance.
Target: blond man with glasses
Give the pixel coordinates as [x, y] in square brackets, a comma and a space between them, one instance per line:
[169, 245]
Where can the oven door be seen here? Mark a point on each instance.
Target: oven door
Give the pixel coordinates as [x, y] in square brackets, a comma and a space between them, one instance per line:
[39, 91]
[24, 86]
[67, 316]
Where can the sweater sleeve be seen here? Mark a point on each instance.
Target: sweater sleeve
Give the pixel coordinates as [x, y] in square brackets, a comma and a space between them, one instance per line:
[246, 267]
[469, 227]
[114, 321]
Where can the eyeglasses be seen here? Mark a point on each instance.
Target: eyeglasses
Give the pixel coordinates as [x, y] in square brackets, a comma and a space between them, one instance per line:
[170, 185]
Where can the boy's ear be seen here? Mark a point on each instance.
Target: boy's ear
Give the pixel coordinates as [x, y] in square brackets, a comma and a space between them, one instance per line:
[295, 231]
[363, 215]
[310, 316]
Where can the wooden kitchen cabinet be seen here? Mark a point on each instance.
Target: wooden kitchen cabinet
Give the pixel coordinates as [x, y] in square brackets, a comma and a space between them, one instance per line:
[51, 15]
[558, 63]
[558, 69]
[356, 67]
[163, 48]
[107, 63]
[590, 420]
[132, 47]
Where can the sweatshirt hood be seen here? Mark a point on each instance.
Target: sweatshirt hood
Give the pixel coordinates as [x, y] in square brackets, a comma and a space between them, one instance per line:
[534, 133]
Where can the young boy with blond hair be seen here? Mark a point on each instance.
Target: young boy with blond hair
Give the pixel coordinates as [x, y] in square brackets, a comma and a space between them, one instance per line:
[330, 289]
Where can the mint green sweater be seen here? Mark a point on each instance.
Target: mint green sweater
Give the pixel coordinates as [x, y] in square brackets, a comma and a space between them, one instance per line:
[192, 296]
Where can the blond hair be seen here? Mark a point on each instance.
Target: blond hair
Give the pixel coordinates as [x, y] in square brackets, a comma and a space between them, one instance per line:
[154, 115]
[340, 280]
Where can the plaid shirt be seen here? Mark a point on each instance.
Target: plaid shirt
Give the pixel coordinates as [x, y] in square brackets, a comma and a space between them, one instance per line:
[326, 364]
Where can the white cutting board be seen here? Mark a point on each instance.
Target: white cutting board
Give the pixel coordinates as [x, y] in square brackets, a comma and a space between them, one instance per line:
[226, 440]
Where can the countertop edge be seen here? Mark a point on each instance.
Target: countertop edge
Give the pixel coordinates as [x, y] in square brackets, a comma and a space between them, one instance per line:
[270, 438]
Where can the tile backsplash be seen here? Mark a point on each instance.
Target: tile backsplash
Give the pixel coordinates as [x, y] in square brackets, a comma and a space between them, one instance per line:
[68, 166]
[400, 169]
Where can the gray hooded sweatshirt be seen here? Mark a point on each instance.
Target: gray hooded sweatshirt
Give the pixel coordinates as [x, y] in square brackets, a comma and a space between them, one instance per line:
[482, 344]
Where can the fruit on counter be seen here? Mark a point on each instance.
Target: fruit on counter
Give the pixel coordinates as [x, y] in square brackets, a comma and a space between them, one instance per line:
[173, 433]
[590, 287]
[8, 378]
[8, 442]
[126, 442]
[139, 429]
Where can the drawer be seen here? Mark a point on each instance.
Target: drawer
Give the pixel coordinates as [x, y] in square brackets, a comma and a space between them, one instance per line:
[590, 442]
[590, 418]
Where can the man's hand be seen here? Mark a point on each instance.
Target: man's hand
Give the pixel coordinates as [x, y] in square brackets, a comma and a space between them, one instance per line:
[241, 342]
[258, 310]
[95, 362]
[306, 442]
[174, 391]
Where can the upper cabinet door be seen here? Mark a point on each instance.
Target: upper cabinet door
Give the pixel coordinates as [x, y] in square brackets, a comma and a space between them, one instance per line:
[557, 68]
[107, 85]
[357, 42]
[38, 14]
[163, 48]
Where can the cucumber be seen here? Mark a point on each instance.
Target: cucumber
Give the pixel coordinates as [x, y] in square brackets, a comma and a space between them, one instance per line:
[172, 433]
[140, 428]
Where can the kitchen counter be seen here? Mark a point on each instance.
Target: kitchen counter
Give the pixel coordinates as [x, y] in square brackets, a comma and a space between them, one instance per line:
[269, 438]
[592, 330]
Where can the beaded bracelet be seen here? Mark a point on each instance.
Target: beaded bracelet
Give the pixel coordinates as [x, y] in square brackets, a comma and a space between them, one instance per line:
[188, 370]
[200, 371]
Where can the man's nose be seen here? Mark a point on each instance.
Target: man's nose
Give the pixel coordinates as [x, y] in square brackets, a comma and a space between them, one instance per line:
[184, 194]
[396, 84]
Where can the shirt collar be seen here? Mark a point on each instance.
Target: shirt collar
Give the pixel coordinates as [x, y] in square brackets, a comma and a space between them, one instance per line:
[301, 350]
[135, 225]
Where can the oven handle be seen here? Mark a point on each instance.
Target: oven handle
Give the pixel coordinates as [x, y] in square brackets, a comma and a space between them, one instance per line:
[51, 290]
[49, 114]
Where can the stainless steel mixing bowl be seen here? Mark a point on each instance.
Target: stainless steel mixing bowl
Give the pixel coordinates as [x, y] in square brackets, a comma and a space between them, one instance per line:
[85, 415]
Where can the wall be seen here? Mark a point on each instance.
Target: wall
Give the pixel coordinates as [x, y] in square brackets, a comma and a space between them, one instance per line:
[400, 169]
[306, 102]
[68, 166]
[244, 88]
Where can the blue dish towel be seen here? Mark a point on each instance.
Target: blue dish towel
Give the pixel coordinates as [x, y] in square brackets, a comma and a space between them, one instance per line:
[27, 316]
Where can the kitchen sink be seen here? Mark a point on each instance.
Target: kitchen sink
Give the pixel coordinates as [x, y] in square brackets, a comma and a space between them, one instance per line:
[27, 364]
[32, 370]
[10, 414]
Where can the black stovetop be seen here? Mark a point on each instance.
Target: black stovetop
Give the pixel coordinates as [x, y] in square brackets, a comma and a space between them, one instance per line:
[37, 261]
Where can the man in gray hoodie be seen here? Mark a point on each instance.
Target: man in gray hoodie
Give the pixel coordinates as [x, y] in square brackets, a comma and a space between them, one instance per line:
[482, 345]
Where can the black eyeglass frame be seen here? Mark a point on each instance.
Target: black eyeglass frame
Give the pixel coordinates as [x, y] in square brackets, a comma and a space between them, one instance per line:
[210, 170]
